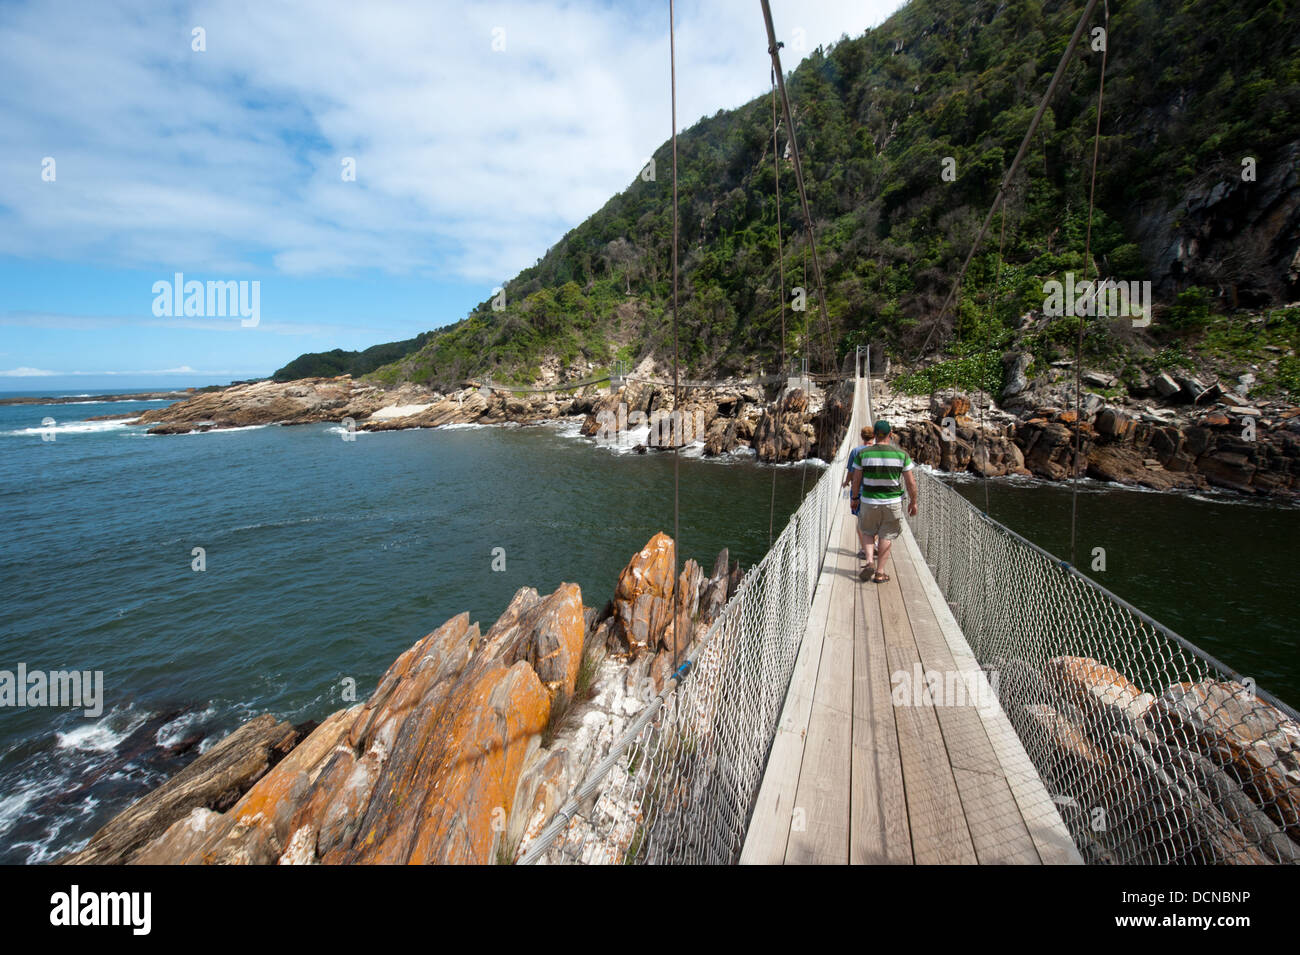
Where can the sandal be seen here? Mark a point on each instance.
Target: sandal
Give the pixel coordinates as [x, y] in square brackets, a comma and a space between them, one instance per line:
[866, 572]
[880, 578]
[862, 555]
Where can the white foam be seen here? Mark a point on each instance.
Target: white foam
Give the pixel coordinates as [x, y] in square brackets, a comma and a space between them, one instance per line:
[13, 806]
[172, 733]
[101, 736]
[72, 427]
[246, 427]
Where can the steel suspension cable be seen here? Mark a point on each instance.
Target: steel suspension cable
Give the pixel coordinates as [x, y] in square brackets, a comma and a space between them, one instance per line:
[1015, 163]
[677, 393]
[773, 49]
[780, 274]
[1087, 261]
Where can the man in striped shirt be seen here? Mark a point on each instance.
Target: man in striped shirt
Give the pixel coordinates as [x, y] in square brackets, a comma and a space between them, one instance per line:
[877, 496]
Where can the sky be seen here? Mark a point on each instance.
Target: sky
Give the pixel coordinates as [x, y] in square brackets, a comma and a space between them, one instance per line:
[376, 168]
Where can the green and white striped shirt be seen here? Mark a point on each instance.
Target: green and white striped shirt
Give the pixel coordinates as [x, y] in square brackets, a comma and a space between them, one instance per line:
[882, 467]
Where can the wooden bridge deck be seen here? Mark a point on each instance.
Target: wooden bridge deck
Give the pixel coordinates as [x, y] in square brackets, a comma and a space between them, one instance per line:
[854, 778]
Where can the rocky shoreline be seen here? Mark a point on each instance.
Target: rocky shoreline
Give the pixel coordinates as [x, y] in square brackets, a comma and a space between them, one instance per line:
[96, 399]
[463, 753]
[731, 416]
[1184, 436]
[471, 743]
[1170, 444]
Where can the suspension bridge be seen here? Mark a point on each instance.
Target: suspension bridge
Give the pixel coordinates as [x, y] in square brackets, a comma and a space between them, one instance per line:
[860, 769]
[991, 704]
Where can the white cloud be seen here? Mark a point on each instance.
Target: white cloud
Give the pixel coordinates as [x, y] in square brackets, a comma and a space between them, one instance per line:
[470, 163]
[182, 370]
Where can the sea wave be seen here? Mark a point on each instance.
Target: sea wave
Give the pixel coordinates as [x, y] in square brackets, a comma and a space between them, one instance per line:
[72, 427]
[105, 734]
[178, 730]
[246, 427]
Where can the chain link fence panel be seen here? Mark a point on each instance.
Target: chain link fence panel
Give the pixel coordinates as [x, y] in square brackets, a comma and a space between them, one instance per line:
[1154, 751]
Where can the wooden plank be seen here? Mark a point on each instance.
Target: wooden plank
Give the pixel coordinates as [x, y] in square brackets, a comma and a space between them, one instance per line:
[821, 833]
[993, 817]
[934, 810]
[1050, 836]
[769, 825]
[878, 828]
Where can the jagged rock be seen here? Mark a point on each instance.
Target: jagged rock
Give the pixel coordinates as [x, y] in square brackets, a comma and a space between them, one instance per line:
[722, 438]
[1165, 385]
[1097, 689]
[1048, 448]
[779, 435]
[214, 781]
[830, 424]
[641, 597]
[1251, 740]
[1113, 423]
[1228, 469]
[1014, 366]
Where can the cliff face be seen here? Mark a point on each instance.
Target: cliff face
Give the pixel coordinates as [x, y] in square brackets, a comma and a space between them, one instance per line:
[463, 752]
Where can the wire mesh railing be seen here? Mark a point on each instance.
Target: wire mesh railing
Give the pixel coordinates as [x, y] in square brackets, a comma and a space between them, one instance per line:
[680, 785]
[1154, 751]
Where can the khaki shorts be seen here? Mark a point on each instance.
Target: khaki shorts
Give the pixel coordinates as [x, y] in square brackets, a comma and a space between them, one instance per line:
[881, 520]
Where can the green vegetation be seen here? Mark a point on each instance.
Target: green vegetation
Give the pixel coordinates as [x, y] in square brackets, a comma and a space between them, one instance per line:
[982, 370]
[1190, 89]
[329, 364]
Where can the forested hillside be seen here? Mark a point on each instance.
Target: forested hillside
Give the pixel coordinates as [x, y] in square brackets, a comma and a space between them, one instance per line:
[1192, 90]
[327, 364]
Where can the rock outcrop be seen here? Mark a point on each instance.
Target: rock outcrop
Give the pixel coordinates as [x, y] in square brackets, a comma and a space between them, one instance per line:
[783, 432]
[725, 418]
[463, 752]
[1202, 773]
[1228, 445]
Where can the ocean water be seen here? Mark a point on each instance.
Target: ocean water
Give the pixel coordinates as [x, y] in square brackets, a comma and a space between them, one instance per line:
[325, 559]
[1217, 568]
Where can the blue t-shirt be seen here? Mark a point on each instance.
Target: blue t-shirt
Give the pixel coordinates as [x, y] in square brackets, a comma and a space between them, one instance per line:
[848, 465]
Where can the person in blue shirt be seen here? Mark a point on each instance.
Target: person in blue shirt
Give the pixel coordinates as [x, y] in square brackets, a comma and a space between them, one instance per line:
[868, 437]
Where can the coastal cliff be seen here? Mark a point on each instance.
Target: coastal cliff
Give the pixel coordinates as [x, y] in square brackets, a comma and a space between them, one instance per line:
[468, 745]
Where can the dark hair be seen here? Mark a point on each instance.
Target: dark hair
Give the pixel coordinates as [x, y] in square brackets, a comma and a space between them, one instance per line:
[866, 432]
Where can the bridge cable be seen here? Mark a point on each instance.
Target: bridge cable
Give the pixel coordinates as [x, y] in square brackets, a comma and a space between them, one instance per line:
[1015, 163]
[780, 273]
[1087, 261]
[677, 397]
[773, 48]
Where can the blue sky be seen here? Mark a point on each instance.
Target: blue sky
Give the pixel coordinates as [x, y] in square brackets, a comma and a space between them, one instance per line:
[479, 134]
